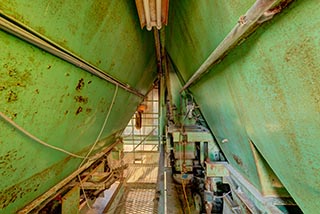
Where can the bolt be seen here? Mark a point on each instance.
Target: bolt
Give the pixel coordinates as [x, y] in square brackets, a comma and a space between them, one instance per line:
[225, 140]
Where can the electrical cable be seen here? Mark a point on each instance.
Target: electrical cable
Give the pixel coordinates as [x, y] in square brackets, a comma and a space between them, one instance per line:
[181, 170]
[84, 193]
[185, 196]
[95, 143]
[224, 195]
[38, 140]
[103, 126]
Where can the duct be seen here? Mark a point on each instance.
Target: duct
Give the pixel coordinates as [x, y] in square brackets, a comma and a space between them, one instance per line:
[32, 37]
[261, 11]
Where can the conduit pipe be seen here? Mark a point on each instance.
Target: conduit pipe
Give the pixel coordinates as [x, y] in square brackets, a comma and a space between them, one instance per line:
[34, 38]
[147, 14]
[261, 11]
[152, 13]
[159, 21]
[158, 45]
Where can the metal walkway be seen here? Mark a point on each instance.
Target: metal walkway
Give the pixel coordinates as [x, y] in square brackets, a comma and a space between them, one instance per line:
[140, 184]
[141, 141]
[138, 199]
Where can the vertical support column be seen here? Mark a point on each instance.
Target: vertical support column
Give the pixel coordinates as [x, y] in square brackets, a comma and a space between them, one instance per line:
[160, 195]
[161, 108]
[162, 80]
[70, 201]
[132, 135]
[161, 121]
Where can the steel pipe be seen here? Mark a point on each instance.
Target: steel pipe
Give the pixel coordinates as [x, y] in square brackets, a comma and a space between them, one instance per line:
[146, 7]
[158, 6]
[34, 38]
[259, 12]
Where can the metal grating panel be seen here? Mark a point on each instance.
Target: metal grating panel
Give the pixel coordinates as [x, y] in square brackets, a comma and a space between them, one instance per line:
[138, 200]
[140, 184]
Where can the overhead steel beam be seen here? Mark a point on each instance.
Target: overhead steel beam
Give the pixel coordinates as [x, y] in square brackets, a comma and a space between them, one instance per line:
[12, 27]
[261, 11]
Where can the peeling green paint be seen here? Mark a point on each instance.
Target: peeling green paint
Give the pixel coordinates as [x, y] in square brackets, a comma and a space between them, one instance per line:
[59, 103]
[265, 91]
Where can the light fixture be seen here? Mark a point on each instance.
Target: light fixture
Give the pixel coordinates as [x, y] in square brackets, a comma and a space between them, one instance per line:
[153, 13]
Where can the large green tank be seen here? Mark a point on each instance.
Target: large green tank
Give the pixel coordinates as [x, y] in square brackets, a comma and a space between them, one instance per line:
[58, 102]
[263, 96]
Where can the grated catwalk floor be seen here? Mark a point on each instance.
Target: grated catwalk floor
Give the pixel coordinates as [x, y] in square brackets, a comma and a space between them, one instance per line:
[138, 200]
[140, 186]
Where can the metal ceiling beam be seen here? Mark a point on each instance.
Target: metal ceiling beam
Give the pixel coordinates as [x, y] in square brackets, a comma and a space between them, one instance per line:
[261, 11]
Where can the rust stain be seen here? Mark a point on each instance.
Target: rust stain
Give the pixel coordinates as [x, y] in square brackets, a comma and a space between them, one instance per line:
[304, 55]
[80, 84]
[10, 196]
[42, 30]
[12, 96]
[35, 183]
[73, 28]
[13, 193]
[79, 110]
[7, 161]
[61, 99]
[237, 159]
[88, 110]
[31, 59]
[112, 65]
[12, 72]
[81, 99]
[12, 114]
[283, 5]
[14, 78]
